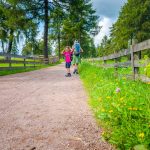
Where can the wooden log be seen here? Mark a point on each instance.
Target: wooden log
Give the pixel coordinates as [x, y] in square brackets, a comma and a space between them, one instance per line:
[24, 62]
[141, 46]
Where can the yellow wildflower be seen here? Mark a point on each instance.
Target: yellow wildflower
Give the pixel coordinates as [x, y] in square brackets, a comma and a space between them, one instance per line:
[103, 133]
[148, 82]
[103, 110]
[111, 111]
[134, 109]
[108, 97]
[121, 98]
[141, 135]
[100, 99]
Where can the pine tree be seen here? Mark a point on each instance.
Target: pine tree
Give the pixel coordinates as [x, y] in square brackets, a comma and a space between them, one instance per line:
[133, 23]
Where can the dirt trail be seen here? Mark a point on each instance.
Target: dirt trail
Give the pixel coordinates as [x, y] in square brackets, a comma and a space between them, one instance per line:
[43, 110]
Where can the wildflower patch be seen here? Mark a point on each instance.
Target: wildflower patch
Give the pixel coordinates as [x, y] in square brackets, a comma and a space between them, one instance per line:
[121, 106]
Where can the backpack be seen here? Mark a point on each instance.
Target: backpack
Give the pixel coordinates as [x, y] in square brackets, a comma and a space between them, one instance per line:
[77, 49]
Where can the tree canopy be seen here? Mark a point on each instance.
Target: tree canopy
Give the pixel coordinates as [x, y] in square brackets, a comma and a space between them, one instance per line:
[63, 21]
[133, 23]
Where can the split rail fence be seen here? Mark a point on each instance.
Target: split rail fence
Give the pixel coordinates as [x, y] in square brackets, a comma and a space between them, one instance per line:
[134, 53]
[10, 62]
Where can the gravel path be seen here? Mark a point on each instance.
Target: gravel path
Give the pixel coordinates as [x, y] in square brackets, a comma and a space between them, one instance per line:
[43, 110]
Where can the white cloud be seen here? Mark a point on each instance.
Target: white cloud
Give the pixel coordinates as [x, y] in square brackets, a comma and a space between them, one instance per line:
[108, 8]
[106, 23]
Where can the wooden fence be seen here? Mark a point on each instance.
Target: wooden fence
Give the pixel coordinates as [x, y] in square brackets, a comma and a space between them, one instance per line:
[132, 53]
[10, 62]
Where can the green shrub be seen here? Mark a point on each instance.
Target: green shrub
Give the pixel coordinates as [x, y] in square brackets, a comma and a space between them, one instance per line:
[147, 70]
[121, 106]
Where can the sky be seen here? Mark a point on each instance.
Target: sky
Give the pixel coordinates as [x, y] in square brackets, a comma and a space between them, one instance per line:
[108, 11]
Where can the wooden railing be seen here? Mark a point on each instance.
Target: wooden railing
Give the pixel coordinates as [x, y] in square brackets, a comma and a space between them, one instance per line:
[132, 53]
[9, 61]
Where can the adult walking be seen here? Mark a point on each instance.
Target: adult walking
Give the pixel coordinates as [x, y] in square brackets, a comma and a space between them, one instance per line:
[76, 56]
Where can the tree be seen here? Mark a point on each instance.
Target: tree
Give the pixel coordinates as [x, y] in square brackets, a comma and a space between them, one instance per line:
[133, 23]
[15, 21]
[80, 20]
[56, 21]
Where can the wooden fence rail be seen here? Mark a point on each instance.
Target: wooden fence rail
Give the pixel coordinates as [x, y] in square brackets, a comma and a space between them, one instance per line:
[10, 62]
[134, 61]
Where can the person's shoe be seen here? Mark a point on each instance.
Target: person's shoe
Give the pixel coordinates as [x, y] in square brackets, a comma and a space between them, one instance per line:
[69, 74]
[74, 71]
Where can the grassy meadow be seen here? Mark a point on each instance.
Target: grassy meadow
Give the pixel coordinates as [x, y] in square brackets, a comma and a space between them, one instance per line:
[14, 71]
[121, 106]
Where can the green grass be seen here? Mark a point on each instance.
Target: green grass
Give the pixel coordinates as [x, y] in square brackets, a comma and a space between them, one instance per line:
[19, 59]
[17, 65]
[121, 107]
[7, 72]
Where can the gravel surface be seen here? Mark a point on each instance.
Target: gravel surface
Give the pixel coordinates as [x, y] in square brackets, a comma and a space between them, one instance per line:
[43, 110]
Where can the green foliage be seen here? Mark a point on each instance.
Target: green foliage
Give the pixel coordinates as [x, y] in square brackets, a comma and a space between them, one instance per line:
[80, 20]
[14, 23]
[7, 72]
[133, 23]
[147, 70]
[66, 20]
[35, 48]
[140, 147]
[121, 106]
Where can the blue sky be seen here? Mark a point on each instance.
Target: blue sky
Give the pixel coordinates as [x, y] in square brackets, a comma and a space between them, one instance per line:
[108, 11]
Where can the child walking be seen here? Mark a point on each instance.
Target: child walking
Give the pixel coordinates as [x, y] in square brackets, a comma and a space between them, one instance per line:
[67, 53]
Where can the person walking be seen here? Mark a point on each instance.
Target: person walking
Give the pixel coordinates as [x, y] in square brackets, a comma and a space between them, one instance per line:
[76, 56]
[67, 52]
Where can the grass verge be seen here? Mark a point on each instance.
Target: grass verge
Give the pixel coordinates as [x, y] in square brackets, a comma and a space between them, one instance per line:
[7, 72]
[121, 106]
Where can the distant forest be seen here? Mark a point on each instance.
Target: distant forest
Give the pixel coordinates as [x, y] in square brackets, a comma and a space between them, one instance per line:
[66, 20]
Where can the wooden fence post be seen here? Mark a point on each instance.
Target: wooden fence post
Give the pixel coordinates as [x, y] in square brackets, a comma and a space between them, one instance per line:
[34, 60]
[135, 68]
[9, 58]
[92, 60]
[24, 62]
[105, 61]
[116, 67]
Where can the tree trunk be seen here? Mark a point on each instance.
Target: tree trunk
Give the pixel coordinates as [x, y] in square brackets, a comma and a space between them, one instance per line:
[46, 60]
[58, 35]
[59, 44]
[3, 47]
[10, 41]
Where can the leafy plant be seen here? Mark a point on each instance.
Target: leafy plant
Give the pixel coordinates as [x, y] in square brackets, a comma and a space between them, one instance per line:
[147, 70]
